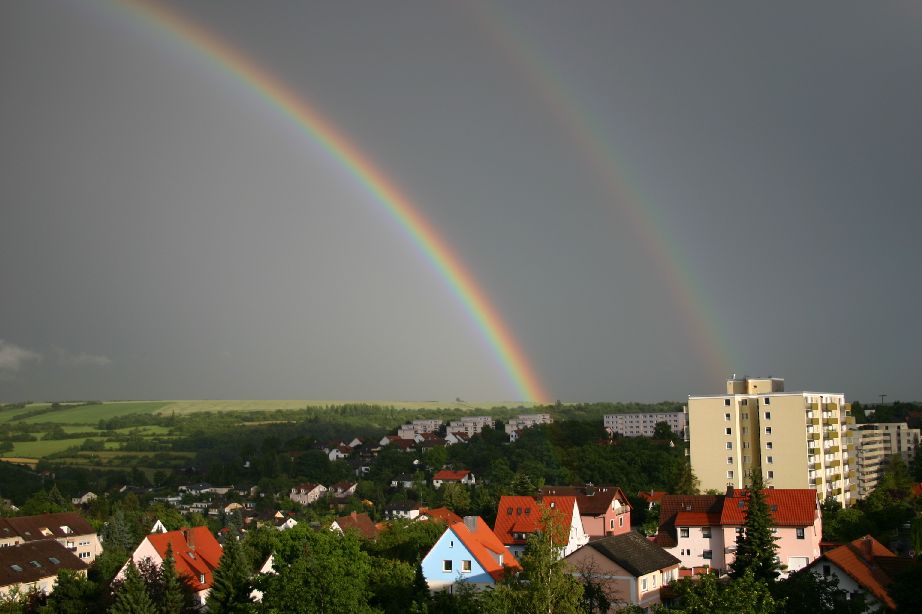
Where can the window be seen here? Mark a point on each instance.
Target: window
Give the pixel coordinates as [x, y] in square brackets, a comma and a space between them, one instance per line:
[745, 402]
[729, 460]
[729, 445]
[683, 532]
[706, 532]
[800, 533]
[707, 554]
[729, 431]
[611, 523]
[620, 521]
[768, 430]
[727, 417]
[745, 415]
[768, 400]
[769, 460]
[771, 475]
[465, 566]
[446, 566]
[768, 415]
[643, 584]
[727, 402]
[729, 475]
[768, 445]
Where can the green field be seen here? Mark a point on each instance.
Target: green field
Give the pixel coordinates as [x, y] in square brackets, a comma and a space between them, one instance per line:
[41, 449]
[76, 415]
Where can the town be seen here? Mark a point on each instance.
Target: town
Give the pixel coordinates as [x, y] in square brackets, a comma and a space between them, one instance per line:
[751, 493]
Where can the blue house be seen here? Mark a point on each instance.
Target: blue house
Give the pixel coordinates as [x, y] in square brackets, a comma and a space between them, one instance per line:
[468, 551]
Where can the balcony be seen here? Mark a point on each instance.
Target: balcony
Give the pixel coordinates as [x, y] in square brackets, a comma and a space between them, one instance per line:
[831, 434]
[831, 450]
[813, 436]
[835, 477]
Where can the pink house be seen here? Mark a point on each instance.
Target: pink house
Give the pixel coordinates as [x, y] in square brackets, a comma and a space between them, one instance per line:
[701, 530]
[604, 510]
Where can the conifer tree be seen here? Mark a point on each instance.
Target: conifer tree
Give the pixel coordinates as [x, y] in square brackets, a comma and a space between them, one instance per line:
[755, 545]
[173, 598]
[230, 591]
[132, 597]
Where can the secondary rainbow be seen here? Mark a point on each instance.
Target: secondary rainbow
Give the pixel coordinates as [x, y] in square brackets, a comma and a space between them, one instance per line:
[274, 92]
[584, 129]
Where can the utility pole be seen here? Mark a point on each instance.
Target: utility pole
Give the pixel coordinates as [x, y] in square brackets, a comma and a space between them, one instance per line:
[882, 397]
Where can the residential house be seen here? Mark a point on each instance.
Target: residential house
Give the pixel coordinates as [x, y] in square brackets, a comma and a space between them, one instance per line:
[196, 551]
[468, 552]
[628, 566]
[445, 476]
[518, 517]
[864, 566]
[604, 510]
[408, 510]
[439, 513]
[701, 529]
[68, 528]
[34, 565]
[361, 523]
[307, 493]
[404, 480]
[343, 489]
[452, 438]
[84, 499]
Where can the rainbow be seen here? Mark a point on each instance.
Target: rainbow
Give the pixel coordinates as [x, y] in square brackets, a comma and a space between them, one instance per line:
[323, 132]
[585, 130]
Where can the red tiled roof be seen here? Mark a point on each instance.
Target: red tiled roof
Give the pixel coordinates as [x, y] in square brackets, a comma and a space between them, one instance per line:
[447, 475]
[671, 505]
[867, 561]
[485, 546]
[790, 507]
[696, 519]
[358, 522]
[196, 551]
[651, 496]
[440, 513]
[596, 504]
[523, 515]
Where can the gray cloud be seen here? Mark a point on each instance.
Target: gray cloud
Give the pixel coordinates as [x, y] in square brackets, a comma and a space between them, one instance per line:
[12, 357]
[81, 359]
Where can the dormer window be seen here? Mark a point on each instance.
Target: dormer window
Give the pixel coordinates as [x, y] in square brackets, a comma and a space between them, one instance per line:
[66, 530]
[46, 532]
[201, 578]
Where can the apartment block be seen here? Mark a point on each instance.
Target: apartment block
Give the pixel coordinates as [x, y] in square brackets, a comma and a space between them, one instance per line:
[524, 421]
[642, 424]
[417, 427]
[471, 425]
[871, 457]
[796, 439]
[876, 443]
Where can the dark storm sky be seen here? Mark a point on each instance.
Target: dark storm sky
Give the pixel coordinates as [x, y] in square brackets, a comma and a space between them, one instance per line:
[165, 233]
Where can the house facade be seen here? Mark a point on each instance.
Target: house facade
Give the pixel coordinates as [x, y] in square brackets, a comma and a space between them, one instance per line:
[196, 551]
[70, 529]
[518, 517]
[462, 476]
[468, 552]
[628, 566]
[604, 510]
[701, 530]
[308, 493]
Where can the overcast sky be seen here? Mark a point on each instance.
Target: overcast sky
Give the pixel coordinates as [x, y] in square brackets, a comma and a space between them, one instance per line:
[654, 196]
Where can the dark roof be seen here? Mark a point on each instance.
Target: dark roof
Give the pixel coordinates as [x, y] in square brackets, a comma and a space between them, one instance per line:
[45, 526]
[34, 561]
[633, 552]
[592, 500]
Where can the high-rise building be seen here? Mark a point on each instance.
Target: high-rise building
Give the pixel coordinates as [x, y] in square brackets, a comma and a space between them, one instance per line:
[877, 443]
[642, 424]
[796, 439]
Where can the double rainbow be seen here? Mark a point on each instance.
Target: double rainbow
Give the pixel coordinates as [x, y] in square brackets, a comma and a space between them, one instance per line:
[322, 131]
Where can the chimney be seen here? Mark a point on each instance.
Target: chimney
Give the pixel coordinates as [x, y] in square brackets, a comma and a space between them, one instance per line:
[471, 523]
[190, 541]
[354, 515]
[867, 548]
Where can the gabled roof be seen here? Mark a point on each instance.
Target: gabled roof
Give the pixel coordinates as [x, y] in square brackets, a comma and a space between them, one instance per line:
[634, 553]
[440, 513]
[476, 535]
[196, 551]
[790, 507]
[671, 505]
[592, 500]
[45, 526]
[447, 475]
[516, 515]
[870, 564]
[359, 522]
[652, 496]
[308, 487]
[32, 561]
